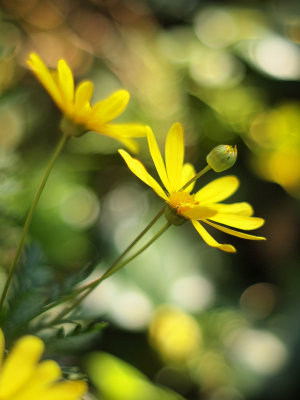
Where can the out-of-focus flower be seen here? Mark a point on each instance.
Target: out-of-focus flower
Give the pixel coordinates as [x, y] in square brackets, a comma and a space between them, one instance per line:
[275, 138]
[202, 206]
[176, 335]
[117, 380]
[23, 377]
[79, 115]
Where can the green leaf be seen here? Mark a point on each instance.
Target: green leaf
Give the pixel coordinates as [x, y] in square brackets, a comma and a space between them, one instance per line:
[34, 285]
[77, 277]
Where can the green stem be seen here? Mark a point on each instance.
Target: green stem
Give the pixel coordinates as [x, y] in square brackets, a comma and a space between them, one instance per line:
[116, 268]
[111, 270]
[83, 288]
[30, 213]
[197, 176]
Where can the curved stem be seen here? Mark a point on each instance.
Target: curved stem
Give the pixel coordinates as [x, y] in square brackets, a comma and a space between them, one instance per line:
[197, 176]
[35, 200]
[116, 268]
[118, 259]
[113, 268]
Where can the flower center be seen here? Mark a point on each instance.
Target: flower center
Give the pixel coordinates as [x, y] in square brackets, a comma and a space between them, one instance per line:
[182, 201]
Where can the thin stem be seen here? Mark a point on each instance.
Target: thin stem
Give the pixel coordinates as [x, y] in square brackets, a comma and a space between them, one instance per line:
[111, 270]
[197, 176]
[116, 268]
[83, 288]
[30, 213]
[114, 264]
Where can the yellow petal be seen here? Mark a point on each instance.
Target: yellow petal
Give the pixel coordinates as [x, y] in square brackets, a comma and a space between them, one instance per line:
[235, 233]
[174, 155]
[210, 240]
[106, 110]
[157, 159]
[198, 212]
[118, 130]
[130, 144]
[45, 374]
[83, 94]
[218, 190]
[187, 173]
[20, 364]
[121, 132]
[67, 390]
[140, 171]
[242, 208]
[2, 346]
[238, 221]
[66, 81]
[47, 371]
[44, 76]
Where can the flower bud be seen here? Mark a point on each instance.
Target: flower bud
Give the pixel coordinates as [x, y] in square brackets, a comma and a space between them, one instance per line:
[222, 157]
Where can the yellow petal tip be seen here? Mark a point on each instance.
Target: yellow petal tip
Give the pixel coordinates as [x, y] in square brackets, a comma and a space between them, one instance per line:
[261, 238]
[228, 248]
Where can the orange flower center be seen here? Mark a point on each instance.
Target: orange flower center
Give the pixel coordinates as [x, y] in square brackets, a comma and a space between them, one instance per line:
[182, 201]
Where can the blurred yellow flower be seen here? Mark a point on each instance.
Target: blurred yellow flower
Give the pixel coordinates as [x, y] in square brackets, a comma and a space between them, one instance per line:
[175, 334]
[275, 140]
[202, 206]
[80, 116]
[23, 377]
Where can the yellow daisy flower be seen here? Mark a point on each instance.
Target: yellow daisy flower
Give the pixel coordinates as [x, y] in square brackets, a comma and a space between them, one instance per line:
[76, 107]
[23, 377]
[203, 205]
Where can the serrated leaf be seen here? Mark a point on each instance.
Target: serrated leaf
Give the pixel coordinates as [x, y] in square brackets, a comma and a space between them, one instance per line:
[77, 329]
[60, 333]
[96, 326]
[32, 287]
[85, 326]
[77, 277]
[69, 344]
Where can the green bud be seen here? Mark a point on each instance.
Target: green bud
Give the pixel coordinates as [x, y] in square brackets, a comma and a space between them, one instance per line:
[222, 157]
[70, 128]
[173, 217]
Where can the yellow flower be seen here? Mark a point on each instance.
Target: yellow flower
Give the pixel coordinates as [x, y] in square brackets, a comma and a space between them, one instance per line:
[202, 206]
[23, 377]
[75, 104]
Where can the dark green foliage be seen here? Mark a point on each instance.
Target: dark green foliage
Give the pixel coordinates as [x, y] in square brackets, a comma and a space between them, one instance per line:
[74, 340]
[35, 289]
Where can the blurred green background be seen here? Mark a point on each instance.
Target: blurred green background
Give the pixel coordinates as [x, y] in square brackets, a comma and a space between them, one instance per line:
[182, 317]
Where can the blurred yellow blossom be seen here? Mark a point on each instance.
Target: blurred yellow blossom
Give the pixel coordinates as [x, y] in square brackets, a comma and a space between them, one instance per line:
[202, 206]
[274, 137]
[176, 335]
[79, 115]
[23, 377]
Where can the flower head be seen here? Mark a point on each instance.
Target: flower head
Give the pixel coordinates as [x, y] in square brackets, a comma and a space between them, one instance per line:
[204, 205]
[23, 377]
[75, 104]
